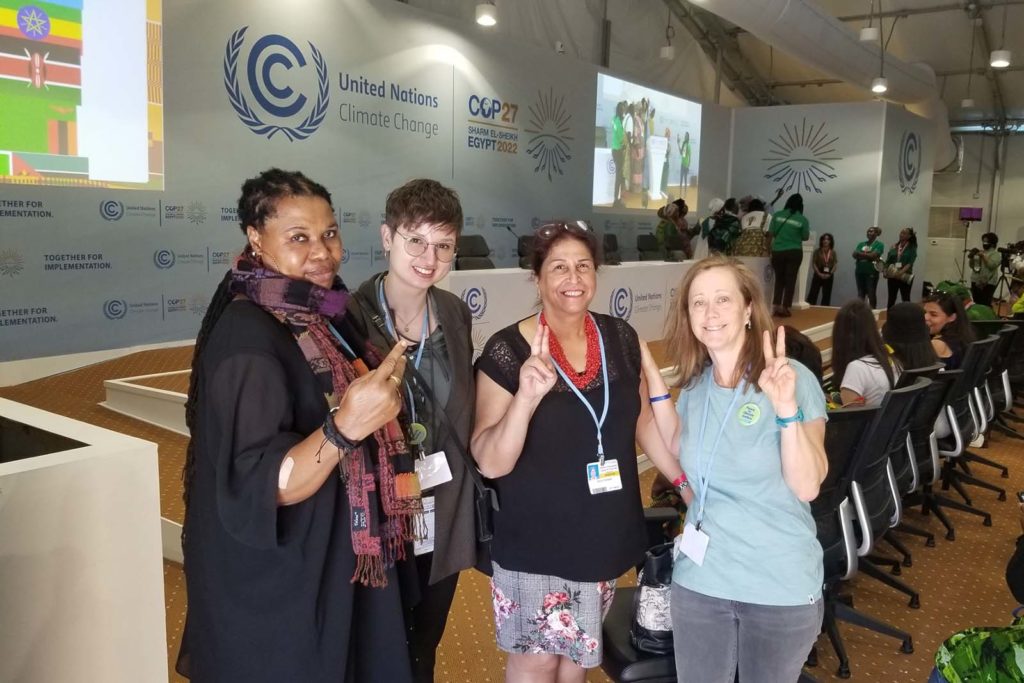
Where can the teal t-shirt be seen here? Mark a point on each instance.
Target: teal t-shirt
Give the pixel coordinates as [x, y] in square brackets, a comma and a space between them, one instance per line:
[789, 230]
[865, 267]
[763, 545]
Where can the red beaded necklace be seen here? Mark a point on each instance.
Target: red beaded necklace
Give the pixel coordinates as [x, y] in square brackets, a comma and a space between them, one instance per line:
[580, 379]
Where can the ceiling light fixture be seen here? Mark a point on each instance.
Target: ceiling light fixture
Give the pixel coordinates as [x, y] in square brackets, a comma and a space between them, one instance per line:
[880, 85]
[1001, 58]
[667, 52]
[486, 14]
[968, 102]
[870, 34]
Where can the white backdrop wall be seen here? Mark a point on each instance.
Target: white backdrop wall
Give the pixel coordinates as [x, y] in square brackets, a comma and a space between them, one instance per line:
[906, 186]
[402, 93]
[831, 154]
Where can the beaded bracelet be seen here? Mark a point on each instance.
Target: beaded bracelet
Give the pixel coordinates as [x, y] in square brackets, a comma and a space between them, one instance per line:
[663, 397]
[680, 482]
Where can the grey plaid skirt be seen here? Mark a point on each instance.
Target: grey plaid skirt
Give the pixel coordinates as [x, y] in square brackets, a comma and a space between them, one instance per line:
[536, 614]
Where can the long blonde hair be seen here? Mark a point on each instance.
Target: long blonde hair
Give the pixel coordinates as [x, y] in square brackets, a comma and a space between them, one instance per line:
[689, 354]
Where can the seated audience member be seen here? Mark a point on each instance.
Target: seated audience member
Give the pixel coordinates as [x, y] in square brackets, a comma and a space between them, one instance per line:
[800, 347]
[975, 311]
[861, 367]
[987, 653]
[947, 323]
[906, 333]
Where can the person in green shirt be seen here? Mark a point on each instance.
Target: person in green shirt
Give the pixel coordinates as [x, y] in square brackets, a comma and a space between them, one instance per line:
[899, 266]
[789, 230]
[673, 233]
[985, 264]
[867, 254]
[618, 151]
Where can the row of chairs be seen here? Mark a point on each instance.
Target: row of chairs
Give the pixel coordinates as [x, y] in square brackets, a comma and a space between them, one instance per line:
[475, 254]
[908, 451]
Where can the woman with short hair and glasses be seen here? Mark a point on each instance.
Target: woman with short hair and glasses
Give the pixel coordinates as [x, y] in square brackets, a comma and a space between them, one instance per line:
[562, 398]
[423, 220]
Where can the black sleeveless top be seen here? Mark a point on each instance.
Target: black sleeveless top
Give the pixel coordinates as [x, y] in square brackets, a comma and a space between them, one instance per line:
[549, 522]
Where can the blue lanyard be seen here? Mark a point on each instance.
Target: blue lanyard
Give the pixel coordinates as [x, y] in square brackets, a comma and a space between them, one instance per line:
[341, 340]
[604, 377]
[704, 472]
[394, 333]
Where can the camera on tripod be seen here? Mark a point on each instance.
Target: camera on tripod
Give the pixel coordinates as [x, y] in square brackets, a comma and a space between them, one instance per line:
[1007, 253]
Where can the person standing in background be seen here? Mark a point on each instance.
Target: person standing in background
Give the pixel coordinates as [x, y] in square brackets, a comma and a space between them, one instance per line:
[899, 266]
[985, 269]
[824, 262]
[789, 229]
[685, 152]
[867, 254]
[618, 143]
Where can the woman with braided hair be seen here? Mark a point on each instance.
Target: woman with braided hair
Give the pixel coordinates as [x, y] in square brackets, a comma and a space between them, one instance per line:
[300, 494]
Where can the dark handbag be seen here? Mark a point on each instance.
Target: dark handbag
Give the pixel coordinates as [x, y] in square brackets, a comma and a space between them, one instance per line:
[651, 627]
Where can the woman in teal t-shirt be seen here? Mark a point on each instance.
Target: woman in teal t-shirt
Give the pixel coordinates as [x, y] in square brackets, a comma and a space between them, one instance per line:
[752, 442]
[899, 266]
[789, 230]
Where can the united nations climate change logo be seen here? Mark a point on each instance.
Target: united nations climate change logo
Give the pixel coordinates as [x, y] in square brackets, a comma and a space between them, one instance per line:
[476, 300]
[112, 210]
[115, 309]
[275, 100]
[550, 130]
[801, 157]
[620, 304]
[910, 162]
[163, 259]
[11, 263]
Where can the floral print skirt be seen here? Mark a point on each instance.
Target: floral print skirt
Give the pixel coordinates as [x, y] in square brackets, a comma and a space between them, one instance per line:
[536, 614]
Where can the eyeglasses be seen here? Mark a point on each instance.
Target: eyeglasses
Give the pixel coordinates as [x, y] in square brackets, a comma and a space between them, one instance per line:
[417, 246]
[549, 230]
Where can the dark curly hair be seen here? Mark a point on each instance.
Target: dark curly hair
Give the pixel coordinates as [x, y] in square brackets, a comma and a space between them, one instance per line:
[258, 203]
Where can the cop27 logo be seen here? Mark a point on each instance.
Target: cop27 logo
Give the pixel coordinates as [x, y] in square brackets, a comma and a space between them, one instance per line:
[620, 303]
[274, 99]
[476, 300]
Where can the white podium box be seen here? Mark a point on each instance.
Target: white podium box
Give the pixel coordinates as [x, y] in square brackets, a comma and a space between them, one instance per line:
[81, 568]
[604, 177]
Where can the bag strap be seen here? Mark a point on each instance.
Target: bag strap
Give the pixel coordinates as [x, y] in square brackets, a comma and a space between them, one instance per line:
[474, 473]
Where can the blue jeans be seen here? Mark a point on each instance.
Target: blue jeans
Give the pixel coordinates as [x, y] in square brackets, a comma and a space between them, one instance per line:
[714, 637]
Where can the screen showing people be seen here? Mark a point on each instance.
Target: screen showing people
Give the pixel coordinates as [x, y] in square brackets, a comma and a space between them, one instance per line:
[647, 146]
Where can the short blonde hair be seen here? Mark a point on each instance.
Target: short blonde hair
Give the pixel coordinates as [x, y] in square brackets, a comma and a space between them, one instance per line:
[689, 354]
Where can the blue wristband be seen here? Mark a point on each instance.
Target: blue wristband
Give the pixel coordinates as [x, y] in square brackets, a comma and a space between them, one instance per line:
[663, 397]
[785, 421]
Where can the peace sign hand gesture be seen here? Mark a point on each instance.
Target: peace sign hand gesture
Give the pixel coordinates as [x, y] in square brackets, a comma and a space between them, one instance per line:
[537, 375]
[778, 379]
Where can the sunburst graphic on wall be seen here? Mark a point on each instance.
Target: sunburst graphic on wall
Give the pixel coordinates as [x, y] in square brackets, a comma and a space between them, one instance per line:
[801, 157]
[550, 130]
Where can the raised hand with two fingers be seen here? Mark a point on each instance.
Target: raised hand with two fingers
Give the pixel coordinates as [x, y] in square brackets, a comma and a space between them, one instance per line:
[778, 379]
[537, 375]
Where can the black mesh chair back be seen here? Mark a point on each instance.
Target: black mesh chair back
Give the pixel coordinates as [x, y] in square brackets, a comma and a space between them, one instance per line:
[992, 346]
[873, 488]
[610, 250]
[908, 377]
[960, 410]
[1015, 359]
[473, 254]
[904, 469]
[832, 509]
[921, 439]
[648, 248]
[997, 384]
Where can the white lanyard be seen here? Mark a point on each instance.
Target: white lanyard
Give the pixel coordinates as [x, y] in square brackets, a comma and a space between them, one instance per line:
[704, 473]
[604, 377]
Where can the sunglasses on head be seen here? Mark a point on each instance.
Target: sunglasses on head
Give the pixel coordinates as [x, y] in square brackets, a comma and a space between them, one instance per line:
[549, 230]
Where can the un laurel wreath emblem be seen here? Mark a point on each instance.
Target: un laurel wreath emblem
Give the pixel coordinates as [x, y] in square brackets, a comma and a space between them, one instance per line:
[247, 114]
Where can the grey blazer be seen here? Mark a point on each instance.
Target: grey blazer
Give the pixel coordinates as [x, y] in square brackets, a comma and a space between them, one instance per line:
[454, 516]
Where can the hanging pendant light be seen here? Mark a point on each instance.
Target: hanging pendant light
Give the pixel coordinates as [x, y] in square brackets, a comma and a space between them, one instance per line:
[486, 14]
[1001, 58]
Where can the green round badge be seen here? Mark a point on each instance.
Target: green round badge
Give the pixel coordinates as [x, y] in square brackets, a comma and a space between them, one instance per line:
[749, 414]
